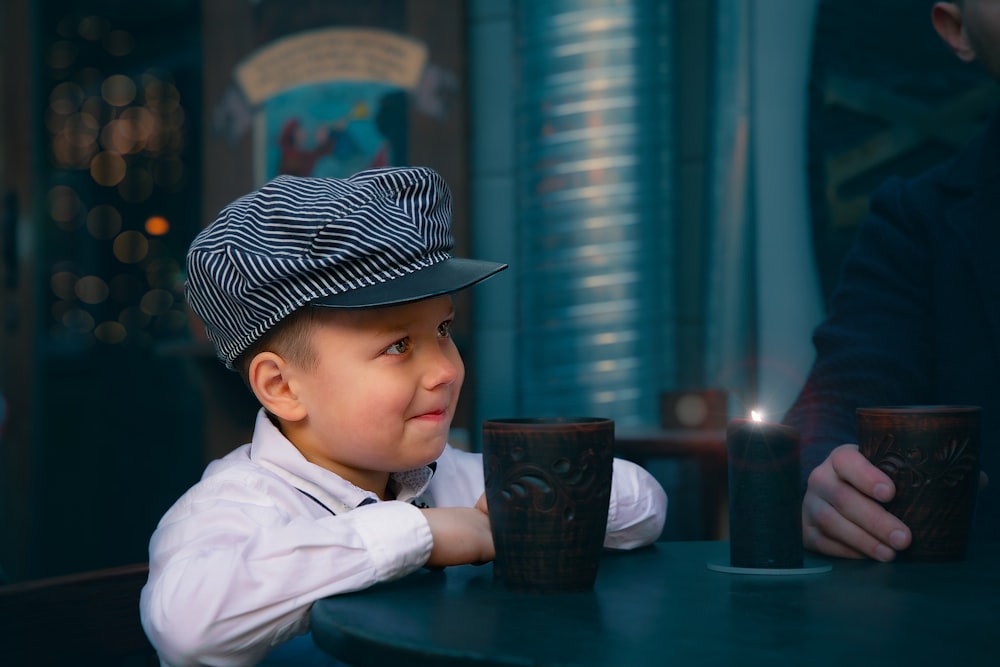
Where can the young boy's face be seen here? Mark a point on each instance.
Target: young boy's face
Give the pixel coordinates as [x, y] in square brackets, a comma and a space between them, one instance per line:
[383, 393]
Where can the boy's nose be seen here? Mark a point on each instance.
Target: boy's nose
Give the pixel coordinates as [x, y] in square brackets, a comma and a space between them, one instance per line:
[442, 368]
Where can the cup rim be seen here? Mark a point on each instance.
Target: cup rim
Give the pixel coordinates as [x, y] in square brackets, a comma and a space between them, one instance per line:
[545, 422]
[937, 409]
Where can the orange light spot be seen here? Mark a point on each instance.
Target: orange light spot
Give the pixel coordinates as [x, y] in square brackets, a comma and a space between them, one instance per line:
[157, 225]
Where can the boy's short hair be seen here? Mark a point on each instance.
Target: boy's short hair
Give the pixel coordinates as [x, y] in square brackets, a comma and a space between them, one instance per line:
[381, 237]
[289, 338]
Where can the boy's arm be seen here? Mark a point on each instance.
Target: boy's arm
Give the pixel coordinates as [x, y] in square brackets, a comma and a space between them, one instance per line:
[638, 507]
[230, 579]
[461, 535]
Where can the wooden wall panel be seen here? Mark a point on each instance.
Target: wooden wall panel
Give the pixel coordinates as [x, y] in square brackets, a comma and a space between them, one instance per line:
[16, 286]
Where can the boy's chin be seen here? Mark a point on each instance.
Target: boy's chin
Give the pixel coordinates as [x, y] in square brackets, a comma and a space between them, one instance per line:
[434, 451]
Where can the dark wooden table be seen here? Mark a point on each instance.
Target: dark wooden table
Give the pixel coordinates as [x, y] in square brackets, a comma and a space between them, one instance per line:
[706, 446]
[662, 606]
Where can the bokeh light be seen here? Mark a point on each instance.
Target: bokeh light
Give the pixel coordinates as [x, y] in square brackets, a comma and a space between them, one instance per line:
[118, 90]
[94, 28]
[156, 301]
[137, 124]
[82, 129]
[91, 289]
[93, 105]
[79, 320]
[160, 96]
[64, 206]
[62, 54]
[127, 132]
[157, 225]
[111, 333]
[60, 308]
[107, 168]
[131, 247]
[116, 136]
[63, 284]
[66, 98]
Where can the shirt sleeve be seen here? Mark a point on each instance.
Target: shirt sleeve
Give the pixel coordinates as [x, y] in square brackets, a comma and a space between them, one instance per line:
[234, 568]
[638, 508]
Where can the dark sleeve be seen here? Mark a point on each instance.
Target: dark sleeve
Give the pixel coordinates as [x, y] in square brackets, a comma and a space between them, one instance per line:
[874, 346]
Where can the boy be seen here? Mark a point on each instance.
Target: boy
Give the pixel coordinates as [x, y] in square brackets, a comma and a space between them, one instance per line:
[331, 298]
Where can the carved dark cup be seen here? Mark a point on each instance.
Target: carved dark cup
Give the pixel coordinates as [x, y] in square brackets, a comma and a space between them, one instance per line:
[931, 453]
[548, 485]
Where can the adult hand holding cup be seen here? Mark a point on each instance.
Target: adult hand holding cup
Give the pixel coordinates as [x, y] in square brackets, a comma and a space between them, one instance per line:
[931, 453]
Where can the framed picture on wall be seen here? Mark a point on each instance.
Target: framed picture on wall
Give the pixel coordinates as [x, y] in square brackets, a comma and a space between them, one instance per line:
[330, 88]
[331, 102]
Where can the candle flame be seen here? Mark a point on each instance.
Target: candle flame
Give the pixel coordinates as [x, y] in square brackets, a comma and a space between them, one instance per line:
[757, 415]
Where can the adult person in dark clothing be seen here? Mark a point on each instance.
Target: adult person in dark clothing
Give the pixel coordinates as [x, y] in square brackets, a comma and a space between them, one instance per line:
[915, 319]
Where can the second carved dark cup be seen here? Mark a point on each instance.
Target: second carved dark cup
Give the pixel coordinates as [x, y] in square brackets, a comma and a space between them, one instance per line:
[548, 486]
[931, 453]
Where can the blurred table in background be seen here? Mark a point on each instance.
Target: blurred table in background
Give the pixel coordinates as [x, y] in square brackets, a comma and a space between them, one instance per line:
[705, 446]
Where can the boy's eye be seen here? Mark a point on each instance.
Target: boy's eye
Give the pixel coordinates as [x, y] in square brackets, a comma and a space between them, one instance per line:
[444, 329]
[399, 347]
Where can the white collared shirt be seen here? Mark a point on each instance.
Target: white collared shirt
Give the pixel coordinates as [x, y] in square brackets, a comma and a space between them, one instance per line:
[237, 561]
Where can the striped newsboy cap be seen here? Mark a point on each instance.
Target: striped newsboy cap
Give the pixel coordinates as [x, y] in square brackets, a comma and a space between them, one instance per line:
[378, 238]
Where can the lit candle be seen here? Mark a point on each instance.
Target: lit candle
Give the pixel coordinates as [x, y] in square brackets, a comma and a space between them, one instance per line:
[765, 499]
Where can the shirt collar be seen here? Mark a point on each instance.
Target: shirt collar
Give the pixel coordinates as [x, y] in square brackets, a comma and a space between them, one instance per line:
[272, 450]
[408, 486]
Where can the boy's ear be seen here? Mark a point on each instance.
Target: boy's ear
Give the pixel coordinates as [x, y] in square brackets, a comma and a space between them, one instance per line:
[269, 378]
[950, 26]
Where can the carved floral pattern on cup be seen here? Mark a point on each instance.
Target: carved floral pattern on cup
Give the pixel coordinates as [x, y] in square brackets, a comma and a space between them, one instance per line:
[547, 488]
[949, 464]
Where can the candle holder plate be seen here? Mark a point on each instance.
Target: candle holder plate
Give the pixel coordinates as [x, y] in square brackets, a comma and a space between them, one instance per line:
[810, 566]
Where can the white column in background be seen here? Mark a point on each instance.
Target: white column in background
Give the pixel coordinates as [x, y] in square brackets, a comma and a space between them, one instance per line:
[789, 300]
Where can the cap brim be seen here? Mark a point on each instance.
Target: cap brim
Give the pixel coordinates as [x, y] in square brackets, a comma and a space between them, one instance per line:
[445, 277]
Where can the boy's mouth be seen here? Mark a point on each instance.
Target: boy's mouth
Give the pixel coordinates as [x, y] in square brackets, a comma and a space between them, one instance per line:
[440, 413]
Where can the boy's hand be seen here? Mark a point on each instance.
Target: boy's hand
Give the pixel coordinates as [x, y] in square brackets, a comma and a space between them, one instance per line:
[841, 514]
[482, 507]
[461, 535]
